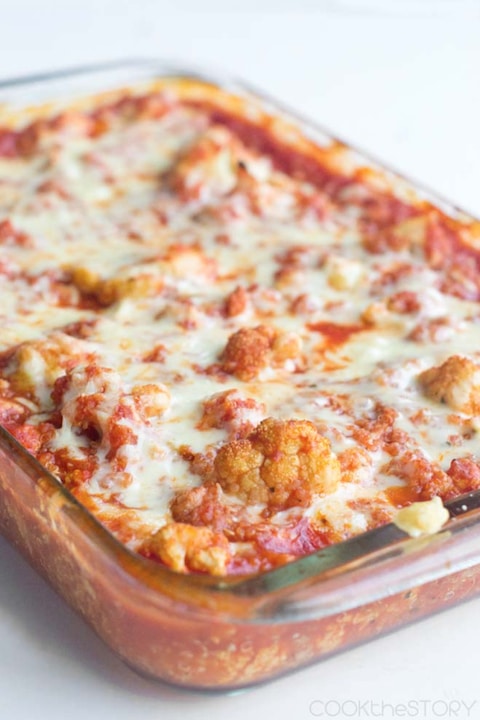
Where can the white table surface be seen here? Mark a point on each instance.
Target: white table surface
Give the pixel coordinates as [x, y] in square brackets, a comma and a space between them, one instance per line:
[398, 78]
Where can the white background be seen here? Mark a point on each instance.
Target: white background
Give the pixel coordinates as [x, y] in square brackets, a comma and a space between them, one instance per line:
[399, 78]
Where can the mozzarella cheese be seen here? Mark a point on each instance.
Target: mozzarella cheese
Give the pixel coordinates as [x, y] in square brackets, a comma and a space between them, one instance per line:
[129, 260]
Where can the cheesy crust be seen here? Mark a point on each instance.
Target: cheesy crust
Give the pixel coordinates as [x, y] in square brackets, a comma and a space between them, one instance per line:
[234, 346]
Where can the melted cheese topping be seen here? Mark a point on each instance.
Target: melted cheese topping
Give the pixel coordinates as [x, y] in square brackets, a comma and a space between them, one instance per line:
[166, 289]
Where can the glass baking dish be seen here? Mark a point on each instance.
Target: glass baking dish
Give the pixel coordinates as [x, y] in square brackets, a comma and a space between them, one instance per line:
[204, 632]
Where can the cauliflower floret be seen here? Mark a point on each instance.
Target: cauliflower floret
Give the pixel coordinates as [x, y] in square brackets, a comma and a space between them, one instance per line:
[282, 463]
[456, 382]
[250, 350]
[186, 547]
[208, 169]
[35, 365]
[422, 518]
[433, 330]
[247, 351]
[344, 273]
[287, 351]
[87, 395]
[202, 506]
[236, 302]
[231, 411]
[142, 280]
[93, 401]
[145, 278]
[380, 315]
[151, 400]
[189, 262]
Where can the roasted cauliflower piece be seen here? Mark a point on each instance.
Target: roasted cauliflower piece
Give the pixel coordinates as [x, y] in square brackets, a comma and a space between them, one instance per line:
[456, 383]
[202, 506]
[36, 364]
[236, 302]
[247, 351]
[422, 518]
[144, 280]
[344, 273]
[231, 411]
[185, 547]
[188, 262]
[208, 168]
[150, 400]
[250, 350]
[282, 463]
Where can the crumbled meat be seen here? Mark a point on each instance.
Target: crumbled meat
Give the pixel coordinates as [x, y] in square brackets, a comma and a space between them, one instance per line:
[202, 506]
[9, 235]
[388, 223]
[434, 330]
[236, 302]
[379, 431]
[356, 464]
[200, 464]
[465, 474]
[425, 478]
[376, 511]
[404, 302]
